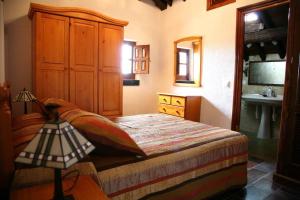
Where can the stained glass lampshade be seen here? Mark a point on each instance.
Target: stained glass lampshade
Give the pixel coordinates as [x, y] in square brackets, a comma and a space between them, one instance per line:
[25, 96]
[57, 145]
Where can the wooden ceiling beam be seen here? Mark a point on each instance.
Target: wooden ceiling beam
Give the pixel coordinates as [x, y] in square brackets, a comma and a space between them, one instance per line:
[281, 49]
[266, 35]
[161, 4]
[261, 51]
[169, 2]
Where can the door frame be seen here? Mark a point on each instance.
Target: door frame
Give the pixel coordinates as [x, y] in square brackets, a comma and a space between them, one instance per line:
[239, 54]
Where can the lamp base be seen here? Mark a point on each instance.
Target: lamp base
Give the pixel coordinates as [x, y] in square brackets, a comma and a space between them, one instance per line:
[58, 191]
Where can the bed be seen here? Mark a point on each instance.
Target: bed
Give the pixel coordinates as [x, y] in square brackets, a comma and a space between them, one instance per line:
[180, 159]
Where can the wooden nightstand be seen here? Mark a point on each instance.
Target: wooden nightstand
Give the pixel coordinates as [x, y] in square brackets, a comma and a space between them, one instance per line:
[85, 189]
[187, 107]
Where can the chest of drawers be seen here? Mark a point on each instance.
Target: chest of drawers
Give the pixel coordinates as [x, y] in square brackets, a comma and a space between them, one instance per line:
[187, 107]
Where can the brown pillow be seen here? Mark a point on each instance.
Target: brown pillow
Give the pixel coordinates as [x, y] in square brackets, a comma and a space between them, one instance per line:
[101, 131]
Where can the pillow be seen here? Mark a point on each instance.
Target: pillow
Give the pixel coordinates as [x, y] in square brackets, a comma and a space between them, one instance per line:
[97, 129]
[24, 128]
[101, 131]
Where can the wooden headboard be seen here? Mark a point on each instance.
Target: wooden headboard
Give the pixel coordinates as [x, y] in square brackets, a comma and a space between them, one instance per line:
[6, 141]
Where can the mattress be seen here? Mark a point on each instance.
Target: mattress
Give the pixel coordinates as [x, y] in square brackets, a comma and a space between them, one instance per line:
[177, 151]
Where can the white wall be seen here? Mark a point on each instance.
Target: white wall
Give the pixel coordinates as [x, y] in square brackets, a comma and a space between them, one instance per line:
[2, 68]
[143, 28]
[217, 27]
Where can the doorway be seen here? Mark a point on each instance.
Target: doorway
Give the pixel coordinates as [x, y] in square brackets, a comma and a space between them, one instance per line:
[261, 45]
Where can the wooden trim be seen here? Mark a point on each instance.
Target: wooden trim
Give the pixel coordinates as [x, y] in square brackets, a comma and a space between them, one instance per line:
[6, 140]
[197, 83]
[212, 5]
[239, 54]
[76, 13]
[288, 165]
[188, 39]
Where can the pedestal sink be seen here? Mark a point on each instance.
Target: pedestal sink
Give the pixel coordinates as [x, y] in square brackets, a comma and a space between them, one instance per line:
[264, 130]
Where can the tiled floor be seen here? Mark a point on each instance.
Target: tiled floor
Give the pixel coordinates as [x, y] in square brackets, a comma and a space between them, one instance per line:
[260, 185]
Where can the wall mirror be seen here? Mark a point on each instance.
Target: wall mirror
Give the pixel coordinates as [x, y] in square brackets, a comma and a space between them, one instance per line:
[267, 73]
[187, 61]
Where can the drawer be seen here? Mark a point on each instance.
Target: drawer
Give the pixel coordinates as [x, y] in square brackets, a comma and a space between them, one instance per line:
[164, 99]
[171, 110]
[178, 101]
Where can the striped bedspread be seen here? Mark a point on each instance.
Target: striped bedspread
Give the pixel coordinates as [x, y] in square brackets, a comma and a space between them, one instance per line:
[161, 133]
[178, 151]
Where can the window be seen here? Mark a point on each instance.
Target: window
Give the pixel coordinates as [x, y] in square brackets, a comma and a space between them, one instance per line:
[127, 60]
[135, 60]
[183, 57]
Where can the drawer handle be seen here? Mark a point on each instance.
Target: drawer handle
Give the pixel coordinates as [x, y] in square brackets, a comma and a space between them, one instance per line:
[164, 109]
[177, 112]
[165, 100]
[178, 102]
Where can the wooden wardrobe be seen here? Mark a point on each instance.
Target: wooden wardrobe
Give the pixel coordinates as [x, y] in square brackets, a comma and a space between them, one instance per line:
[77, 57]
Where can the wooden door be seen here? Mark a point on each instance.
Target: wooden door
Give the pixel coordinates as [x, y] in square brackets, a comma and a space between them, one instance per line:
[51, 56]
[289, 147]
[110, 78]
[84, 64]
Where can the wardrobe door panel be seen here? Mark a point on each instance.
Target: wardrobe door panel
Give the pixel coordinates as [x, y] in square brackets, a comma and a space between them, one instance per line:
[83, 89]
[112, 43]
[51, 56]
[112, 94]
[51, 83]
[110, 80]
[84, 64]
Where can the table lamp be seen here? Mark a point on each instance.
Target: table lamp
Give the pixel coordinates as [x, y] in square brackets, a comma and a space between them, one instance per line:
[25, 96]
[58, 145]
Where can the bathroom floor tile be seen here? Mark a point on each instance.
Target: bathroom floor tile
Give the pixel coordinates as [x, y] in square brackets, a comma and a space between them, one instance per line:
[266, 167]
[254, 175]
[261, 186]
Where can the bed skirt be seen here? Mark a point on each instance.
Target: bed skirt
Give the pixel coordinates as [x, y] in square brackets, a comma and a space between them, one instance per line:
[205, 186]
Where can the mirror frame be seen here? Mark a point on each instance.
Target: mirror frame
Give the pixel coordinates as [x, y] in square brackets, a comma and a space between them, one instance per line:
[197, 77]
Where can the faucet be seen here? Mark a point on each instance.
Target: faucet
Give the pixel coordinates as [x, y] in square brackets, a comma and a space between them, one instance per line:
[274, 93]
[269, 92]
